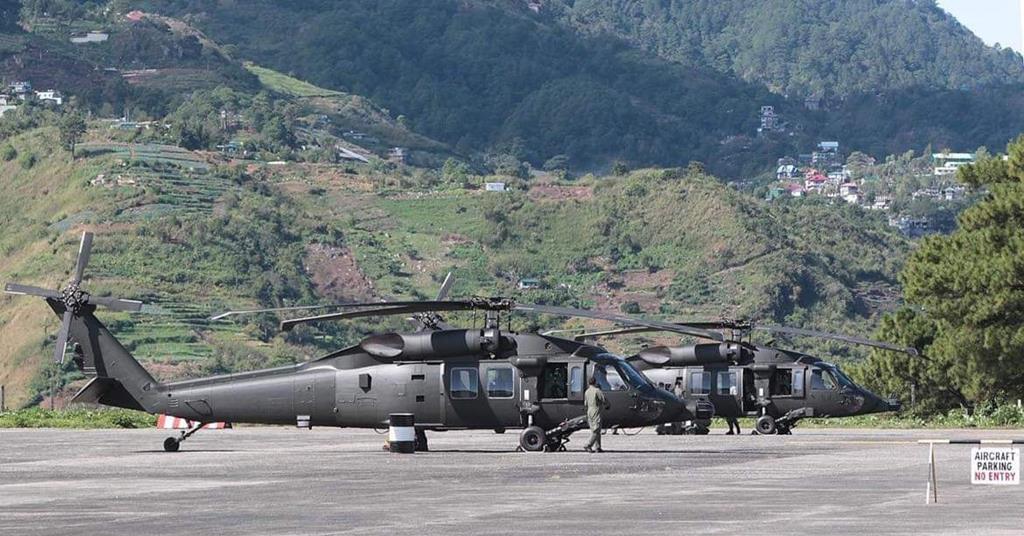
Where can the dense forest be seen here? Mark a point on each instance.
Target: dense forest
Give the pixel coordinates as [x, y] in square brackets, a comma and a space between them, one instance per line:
[603, 81]
[827, 48]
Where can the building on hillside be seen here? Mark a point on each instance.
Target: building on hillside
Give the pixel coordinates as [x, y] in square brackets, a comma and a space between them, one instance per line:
[135, 16]
[787, 172]
[529, 283]
[827, 155]
[50, 95]
[90, 37]
[344, 153]
[946, 164]
[20, 89]
[954, 193]
[769, 120]
[396, 155]
[911, 227]
[882, 202]
[494, 187]
[814, 181]
[794, 189]
[850, 192]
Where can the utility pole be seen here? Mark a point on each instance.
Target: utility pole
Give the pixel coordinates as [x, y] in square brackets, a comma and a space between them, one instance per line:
[2, 401]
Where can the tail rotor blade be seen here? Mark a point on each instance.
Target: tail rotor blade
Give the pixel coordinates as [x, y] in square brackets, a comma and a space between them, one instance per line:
[62, 337]
[84, 250]
[27, 290]
[117, 304]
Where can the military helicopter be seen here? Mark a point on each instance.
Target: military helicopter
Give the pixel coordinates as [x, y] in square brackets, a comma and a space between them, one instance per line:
[778, 387]
[448, 378]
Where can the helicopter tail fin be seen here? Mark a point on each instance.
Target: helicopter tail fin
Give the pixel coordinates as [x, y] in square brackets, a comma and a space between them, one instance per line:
[118, 378]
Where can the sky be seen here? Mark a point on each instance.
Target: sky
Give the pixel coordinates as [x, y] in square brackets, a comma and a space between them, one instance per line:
[995, 21]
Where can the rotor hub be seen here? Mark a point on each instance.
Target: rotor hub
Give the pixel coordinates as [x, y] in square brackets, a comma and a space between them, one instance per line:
[74, 298]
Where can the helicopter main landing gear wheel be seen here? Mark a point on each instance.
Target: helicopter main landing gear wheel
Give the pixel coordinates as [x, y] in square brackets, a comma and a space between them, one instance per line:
[533, 439]
[765, 425]
[421, 441]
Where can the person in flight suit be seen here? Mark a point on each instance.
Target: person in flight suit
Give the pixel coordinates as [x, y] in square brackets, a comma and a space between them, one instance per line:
[595, 402]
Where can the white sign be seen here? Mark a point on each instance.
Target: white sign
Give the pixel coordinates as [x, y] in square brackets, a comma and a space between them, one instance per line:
[995, 466]
[494, 186]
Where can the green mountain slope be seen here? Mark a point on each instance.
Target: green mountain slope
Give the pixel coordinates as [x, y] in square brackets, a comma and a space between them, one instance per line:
[650, 83]
[832, 48]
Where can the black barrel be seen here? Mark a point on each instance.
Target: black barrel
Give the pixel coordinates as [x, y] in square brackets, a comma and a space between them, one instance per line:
[402, 433]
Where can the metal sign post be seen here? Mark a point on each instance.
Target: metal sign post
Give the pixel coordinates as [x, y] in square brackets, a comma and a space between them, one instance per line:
[931, 490]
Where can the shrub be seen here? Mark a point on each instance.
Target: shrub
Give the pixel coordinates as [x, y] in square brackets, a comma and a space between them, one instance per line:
[28, 160]
[8, 153]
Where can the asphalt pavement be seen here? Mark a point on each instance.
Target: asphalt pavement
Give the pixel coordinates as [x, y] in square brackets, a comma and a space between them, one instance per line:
[285, 481]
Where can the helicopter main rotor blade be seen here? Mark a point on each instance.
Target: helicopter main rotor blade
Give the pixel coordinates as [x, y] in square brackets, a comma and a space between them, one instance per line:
[394, 308]
[644, 329]
[28, 290]
[311, 307]
[84, 251]
[446, 287]
[62, 337]
[117, 304]
[838, 337]
[653, 325]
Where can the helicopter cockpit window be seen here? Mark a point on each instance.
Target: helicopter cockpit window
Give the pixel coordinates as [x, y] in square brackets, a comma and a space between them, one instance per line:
[465, 383]
[822, 380]
[608, 378]
[499, 382]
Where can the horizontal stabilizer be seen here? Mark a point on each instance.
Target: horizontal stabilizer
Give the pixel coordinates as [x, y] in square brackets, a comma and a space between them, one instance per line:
[106, 392]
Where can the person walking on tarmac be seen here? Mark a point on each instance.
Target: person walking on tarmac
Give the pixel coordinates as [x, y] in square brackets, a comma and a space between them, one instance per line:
[733, 421]
[595, 402]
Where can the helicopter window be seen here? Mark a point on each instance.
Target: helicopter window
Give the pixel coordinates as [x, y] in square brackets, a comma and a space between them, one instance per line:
[576, 380]
[700, 383]
[499, 382]
[608, 378]
[822, 380]
[727, 384]
[781, 383]
[555, 383]
[798, 382]
[464, 383]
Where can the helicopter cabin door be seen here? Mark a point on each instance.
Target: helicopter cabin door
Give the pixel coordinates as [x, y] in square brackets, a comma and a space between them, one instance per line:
[727, 394]
[501, 384]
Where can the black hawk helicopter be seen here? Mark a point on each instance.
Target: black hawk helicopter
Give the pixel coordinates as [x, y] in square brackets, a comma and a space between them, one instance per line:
[777, 387]
[448, 378]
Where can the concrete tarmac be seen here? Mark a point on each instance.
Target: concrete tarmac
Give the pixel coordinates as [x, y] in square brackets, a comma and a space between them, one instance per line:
[285, 481]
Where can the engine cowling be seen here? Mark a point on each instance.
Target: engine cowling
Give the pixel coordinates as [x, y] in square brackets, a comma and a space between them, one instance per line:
[429, 344]
[692, 355]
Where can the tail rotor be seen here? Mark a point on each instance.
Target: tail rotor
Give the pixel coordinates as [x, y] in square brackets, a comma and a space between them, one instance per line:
[73, 298]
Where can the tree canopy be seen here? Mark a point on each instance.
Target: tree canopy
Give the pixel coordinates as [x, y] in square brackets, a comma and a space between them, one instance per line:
[965, 293]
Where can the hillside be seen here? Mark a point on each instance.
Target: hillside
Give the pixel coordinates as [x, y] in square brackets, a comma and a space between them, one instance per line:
[828, 48]
[649, 83]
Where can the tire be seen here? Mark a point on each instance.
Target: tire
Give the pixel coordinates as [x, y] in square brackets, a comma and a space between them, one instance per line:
[765, 425]
[171, 444]
[421, 444]
[533, 439]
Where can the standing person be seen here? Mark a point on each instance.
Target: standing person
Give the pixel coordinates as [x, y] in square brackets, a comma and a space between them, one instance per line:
[595, 402]
[733, 421]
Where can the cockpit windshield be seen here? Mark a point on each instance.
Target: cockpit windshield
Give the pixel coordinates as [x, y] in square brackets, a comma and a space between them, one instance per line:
[618, 376]
[839, 374]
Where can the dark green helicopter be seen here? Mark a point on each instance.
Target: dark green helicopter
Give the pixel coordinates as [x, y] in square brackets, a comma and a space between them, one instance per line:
[449, 378]
[777, 387]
